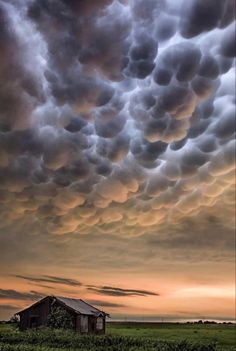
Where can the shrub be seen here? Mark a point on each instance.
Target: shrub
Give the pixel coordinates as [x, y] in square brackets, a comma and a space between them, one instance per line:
[59, 318]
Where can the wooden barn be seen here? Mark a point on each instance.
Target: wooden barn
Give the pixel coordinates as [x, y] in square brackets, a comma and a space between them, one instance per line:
[86, 318]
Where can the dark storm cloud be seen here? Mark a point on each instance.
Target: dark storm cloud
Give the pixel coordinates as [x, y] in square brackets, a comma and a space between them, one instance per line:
[51, 280]
[116, 116]
[111, 291]
[180, 59]
[200, 16]
[18, 295]
[228, 42]
[22, 90]
[198, 240]
[208, 67]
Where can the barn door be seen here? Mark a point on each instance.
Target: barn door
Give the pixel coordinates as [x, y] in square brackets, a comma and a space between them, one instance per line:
[84, 324]
[34, 321]
[92, 324]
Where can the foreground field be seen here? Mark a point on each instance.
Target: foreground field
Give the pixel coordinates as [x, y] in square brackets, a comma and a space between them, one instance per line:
[223, 335]
[124, 337]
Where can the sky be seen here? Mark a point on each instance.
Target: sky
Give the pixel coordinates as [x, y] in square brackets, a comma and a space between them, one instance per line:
[117, 156]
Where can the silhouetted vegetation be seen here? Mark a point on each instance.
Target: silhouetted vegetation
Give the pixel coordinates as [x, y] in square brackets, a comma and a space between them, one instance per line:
[59, 318]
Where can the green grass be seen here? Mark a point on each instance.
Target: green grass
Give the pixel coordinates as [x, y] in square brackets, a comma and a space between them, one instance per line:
[7, 327]
[222, 334]
[124, 337]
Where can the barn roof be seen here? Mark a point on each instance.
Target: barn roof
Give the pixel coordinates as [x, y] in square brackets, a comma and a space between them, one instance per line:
[77, 305]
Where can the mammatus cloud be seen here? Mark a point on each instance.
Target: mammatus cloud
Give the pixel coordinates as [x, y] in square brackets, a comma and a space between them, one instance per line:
[111, 291]
[116, 116]
[103, 134]
[51, 280]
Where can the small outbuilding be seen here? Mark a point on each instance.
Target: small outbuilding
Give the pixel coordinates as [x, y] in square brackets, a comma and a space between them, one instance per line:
[86, 319]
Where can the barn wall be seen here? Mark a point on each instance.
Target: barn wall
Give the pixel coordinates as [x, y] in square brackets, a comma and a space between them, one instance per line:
[78, 324]
[92, 326]
[35, 316]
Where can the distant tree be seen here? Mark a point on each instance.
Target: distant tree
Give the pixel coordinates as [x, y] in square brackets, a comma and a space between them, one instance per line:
[59, 318]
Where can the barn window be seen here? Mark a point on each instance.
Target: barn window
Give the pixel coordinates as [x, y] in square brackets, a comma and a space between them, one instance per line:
[99, 323]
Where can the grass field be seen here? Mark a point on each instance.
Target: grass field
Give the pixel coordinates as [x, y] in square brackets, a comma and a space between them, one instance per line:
[125, 337]
[222, 334]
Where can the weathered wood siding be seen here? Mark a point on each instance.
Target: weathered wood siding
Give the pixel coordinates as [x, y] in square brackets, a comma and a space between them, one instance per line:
[35, 316]
[89, 324]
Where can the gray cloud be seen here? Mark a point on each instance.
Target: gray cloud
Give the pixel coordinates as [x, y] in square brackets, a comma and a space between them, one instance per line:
[51, 280]
[199, 240]
[92, 108]
[200, 17]
[17, 295]
[111, 291]
[105, 304]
